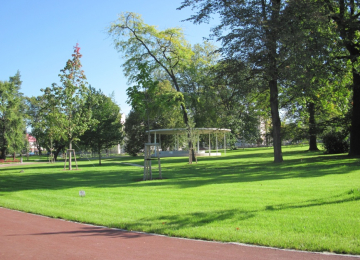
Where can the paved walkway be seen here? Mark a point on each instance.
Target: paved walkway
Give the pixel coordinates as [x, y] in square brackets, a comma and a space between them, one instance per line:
[28, 236]
[133, 164]
[18, 164]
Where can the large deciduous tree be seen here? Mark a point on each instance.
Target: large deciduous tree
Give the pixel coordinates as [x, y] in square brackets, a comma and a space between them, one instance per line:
[73, 112]
[107, 132]
[154, 105]
[251, 30]
[262, 33]
[346, 15]
[166, 50]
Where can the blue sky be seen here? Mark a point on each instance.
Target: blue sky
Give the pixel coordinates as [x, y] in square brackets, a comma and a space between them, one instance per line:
[37, 38]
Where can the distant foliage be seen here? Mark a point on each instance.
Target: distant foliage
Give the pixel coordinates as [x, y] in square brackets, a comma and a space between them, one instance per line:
[135, 133]
[336, 142]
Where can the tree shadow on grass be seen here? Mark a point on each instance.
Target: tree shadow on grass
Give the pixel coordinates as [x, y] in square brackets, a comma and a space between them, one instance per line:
[336, 199]
[177, 175]
[52, 177]
[189, 176]
[167, 224]
[163, 224]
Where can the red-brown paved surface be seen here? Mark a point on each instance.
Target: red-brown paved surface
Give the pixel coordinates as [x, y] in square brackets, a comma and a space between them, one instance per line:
[27, 236]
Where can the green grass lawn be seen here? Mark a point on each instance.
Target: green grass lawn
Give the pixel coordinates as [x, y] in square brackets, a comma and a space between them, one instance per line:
[309, 202]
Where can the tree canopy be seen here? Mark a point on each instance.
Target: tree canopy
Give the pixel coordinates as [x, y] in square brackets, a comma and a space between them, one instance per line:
[107, 132]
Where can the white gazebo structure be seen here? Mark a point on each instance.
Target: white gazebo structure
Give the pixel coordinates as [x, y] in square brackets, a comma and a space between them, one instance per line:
[219, 132]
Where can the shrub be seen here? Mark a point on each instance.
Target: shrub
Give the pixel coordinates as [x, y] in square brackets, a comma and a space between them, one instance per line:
[335, 142]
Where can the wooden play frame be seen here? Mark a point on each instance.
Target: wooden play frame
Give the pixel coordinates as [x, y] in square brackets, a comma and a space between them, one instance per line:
[147, 161]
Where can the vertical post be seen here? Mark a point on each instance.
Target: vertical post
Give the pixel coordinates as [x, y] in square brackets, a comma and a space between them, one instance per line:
[198, 144]
[65, 161]
[216, 144]
[159, 143]
[75, 159]
[209, 145]
[159, 164]
[224, 144]
[149, 160]
[70, 148]
[155, 142]
[145, 163]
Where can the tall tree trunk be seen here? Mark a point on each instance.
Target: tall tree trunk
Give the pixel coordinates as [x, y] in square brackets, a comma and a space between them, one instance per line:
[3, 153]
[57, 151]
[274, 105]
[99, 152]
[347, 21]
[272, 36]
[186, 121]
[355, 117]
[312, 128]
[39, 148]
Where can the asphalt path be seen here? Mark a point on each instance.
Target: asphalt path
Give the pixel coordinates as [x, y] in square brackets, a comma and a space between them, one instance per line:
[29, 236]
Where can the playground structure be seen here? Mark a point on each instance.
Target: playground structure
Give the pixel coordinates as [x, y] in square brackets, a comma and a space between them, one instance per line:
[147, 161]
[196, 132]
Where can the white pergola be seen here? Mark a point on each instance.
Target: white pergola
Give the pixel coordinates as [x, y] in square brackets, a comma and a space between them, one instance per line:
[198, 131]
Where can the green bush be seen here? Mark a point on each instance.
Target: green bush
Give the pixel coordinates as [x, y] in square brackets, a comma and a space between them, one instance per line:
[335, 142]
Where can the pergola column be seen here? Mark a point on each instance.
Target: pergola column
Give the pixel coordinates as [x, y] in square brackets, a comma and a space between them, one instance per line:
[216, 144]
[155, 142]
[209, 145]
[198, 150]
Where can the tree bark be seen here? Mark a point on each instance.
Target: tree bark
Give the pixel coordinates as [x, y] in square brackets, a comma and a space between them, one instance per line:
[312, 128]
[3, 153]
[99, 152]
[57, 151]
[39, 149]
[348, 28]
[274, 105]
[355, 117]
[272, 36]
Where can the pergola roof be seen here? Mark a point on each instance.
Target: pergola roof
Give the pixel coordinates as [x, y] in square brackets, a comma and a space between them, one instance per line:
[183, 130]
